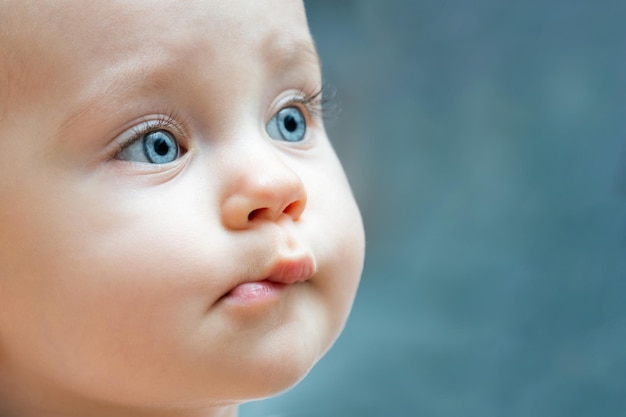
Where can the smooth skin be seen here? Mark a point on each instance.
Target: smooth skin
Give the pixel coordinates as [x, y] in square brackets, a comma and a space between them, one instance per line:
[115, 272]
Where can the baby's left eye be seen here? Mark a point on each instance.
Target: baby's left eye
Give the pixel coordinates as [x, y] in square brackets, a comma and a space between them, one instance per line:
[289, 124]
[154, 147]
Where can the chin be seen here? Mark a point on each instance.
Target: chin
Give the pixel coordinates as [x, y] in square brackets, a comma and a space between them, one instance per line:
[279, 381]
[284, 365]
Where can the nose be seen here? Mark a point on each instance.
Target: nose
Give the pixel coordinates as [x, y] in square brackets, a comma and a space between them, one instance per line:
[263, 191]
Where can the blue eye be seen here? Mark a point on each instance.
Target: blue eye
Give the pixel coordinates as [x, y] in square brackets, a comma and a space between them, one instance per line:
[288, 125]
[155, 147]
[160, 147]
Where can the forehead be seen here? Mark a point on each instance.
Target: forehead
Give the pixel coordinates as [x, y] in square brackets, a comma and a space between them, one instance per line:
[98, 21]
[54, 45]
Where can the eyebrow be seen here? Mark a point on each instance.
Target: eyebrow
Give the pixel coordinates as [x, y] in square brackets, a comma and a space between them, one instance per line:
[115, 91]
[278, 55]
[292, 53]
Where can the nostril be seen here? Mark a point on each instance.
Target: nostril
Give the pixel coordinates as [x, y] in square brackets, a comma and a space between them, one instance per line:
[294, 209]
[255, 213]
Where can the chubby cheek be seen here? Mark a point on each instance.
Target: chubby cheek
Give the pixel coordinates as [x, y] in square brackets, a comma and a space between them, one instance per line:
[110, 285]
[336, 231]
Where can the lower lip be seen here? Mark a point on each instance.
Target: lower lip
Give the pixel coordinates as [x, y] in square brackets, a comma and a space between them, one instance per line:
[255, 292]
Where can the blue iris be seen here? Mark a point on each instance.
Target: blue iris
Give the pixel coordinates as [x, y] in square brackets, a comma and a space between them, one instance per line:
[289, 125]
[160, 147]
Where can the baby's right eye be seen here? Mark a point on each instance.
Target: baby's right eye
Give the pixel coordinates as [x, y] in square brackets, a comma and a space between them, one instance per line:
[152, 147]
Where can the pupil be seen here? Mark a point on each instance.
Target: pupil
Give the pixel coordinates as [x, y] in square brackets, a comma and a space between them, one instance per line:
[290, 123]
[161, 147]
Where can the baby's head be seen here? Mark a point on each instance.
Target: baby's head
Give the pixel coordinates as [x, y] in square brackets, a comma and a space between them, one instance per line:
[177, 232]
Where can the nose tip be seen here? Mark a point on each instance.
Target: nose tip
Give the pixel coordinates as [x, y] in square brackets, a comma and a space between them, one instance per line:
[269, 196]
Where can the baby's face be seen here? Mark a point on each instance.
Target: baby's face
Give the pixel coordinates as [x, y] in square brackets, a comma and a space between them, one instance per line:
[176, 228]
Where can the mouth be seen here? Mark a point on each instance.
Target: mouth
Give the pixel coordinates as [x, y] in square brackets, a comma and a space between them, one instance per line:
[282, 274]
[291, 271]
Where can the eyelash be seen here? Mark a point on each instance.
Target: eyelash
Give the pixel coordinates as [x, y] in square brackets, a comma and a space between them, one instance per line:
[316, 104]
[167, 121]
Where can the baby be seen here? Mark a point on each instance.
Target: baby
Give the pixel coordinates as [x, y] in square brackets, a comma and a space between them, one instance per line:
[177, 234]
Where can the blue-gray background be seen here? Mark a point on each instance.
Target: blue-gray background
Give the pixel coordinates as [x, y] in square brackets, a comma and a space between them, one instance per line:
[486, 144]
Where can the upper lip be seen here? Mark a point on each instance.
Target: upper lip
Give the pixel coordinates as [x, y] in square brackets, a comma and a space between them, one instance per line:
[284, 270]
[290, 270]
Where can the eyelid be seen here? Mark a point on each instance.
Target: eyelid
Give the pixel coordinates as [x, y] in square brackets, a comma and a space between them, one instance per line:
[314, 103]
[168, 121]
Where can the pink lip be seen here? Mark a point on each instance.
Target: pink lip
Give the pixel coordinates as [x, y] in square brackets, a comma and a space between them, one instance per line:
[255, 291]
[283, 273]
[290, 271]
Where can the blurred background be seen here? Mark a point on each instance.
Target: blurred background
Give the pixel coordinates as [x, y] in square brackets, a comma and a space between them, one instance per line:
[486, 144]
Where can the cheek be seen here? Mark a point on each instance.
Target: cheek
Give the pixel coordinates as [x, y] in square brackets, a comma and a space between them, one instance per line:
[336, 230]
[148, 259]
[111, 286]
